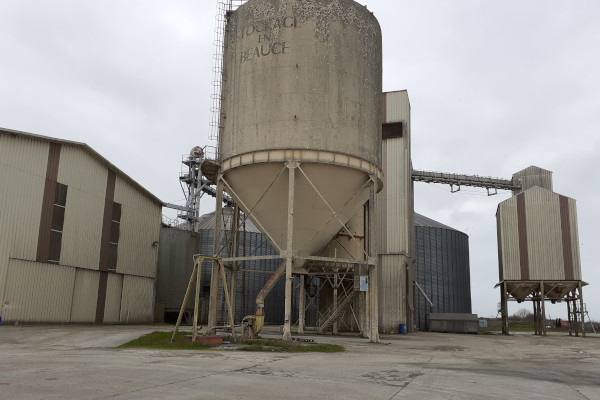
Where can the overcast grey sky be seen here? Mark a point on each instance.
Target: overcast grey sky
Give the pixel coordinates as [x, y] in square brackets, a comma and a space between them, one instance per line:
[495, 86]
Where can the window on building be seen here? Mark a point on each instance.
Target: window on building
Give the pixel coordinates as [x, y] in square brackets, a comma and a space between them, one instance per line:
[115, 228]
[58, 219]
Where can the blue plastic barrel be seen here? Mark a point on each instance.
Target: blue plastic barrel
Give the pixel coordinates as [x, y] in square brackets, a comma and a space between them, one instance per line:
[402, 329]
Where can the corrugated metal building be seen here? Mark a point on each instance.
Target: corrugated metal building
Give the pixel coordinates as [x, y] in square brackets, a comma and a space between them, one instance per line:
[538, 237]
[395, 214]
[442, 269]
[77, 235]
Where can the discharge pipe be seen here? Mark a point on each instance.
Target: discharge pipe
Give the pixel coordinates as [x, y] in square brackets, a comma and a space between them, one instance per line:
[252, 324]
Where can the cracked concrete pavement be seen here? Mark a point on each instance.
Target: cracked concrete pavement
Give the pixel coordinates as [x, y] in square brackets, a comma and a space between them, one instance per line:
[82, 362]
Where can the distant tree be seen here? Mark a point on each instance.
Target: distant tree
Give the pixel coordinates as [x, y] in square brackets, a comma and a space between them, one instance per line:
[523, 315]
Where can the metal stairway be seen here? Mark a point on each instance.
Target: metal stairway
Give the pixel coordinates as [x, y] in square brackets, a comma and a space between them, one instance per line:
[334, 314]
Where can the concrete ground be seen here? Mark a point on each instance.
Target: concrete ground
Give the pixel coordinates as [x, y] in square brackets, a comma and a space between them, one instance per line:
[81, 362]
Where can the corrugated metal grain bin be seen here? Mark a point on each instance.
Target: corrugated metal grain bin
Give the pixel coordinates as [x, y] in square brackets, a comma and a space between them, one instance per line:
[538, 237]
[175, 266]
[76, 235]
[442, 269]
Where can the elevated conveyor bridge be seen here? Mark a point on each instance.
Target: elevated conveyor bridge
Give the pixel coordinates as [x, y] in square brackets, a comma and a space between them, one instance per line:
[457, 180]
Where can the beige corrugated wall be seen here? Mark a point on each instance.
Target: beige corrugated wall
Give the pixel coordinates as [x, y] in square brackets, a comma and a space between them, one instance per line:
[575, 239]
[38, 292]
[138, 295]
[544, 236]
[22, 174]
[86, 181]
[140, 226]
[509, 239]
[85, 296]
[43, 292]
[544, 239]
[395, 219]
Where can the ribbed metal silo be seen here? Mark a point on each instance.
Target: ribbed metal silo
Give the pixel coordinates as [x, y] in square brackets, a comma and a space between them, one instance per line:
[442, 269]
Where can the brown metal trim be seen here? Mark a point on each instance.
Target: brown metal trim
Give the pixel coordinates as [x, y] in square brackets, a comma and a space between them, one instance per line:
[567, 245]
[106, 220]
[101, 302]
[43, 246]
[522, 227]
[105, 245]
[384, 108]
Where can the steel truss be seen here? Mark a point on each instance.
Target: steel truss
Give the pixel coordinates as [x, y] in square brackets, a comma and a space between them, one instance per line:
[538, 292]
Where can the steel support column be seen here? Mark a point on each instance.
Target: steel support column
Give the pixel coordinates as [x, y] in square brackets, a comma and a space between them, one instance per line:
[301, 306]
[373, 303]
[287, 323]
[543, 296]
[580, 290]
[214, 276]
[235, 230]
[504, 307]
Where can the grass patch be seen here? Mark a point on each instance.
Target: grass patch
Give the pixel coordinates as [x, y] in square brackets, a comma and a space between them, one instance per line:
[162, 340]
[520, 326]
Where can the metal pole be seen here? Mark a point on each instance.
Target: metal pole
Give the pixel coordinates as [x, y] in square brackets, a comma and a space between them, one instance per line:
[235, 251]
[569, 315]
[504, 307]
[185, 300]
[543, 296]
[580, 289]
[214, 276]
[301, 305]
[287, 326]
[335, 302]
[197, 268]
[227, 300]
[373, 270]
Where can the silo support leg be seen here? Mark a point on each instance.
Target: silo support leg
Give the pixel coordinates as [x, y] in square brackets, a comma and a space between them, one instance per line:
[301, 305]
[214, 276]
[504, 307]
[373, 270]
[543, 296]
[287, 324]
[579, 289]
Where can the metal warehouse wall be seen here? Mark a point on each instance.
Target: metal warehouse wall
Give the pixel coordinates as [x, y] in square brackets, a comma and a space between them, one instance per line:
[442, 271]
[73, 289]
[394, 217]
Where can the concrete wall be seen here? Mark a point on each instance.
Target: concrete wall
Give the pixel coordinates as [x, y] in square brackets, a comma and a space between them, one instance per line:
[302, 74]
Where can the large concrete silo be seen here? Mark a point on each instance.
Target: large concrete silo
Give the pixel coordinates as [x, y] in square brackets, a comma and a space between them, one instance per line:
[300, 137]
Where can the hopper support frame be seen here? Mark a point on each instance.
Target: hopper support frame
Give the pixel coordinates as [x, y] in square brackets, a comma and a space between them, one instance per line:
[303, 265]
[540, 291]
